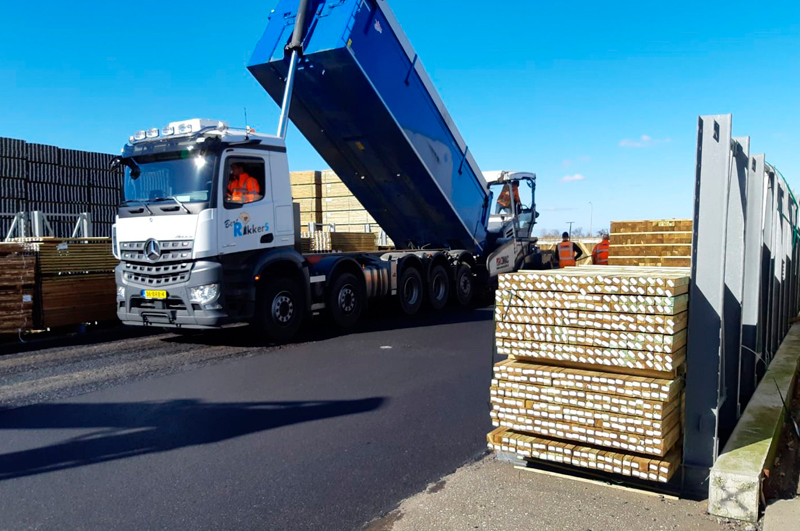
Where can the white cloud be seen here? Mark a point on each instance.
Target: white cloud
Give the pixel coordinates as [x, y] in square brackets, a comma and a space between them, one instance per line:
[642, 141]
[573, 178]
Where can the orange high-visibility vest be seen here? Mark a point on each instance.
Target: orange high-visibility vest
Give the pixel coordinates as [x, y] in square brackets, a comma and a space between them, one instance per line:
[566, 254]
[600, 253]
[245, 189]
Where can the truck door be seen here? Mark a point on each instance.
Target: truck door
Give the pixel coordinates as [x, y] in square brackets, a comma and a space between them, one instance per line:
[247, 213]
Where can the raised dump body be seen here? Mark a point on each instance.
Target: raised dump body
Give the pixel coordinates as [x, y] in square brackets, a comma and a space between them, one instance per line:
[363, 99]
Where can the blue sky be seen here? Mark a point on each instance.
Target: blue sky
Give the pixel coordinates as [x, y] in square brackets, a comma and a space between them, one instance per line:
[600, 99]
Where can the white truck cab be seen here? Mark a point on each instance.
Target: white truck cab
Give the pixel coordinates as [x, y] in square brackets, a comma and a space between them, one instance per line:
[180, 230]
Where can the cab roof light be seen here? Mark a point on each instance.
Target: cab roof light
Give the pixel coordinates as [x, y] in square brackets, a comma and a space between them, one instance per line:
[168, 131]
[185, 128]
[152, 133]
[140, 135]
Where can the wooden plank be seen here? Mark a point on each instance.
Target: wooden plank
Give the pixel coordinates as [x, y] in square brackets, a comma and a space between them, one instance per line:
[657, 225]
[306, 191]
[305, 177]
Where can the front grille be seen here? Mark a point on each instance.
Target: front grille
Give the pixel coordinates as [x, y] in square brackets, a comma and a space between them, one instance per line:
[172, 265]
[171, 251]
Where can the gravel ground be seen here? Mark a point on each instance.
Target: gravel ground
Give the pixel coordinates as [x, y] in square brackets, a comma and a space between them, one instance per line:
[491, 494]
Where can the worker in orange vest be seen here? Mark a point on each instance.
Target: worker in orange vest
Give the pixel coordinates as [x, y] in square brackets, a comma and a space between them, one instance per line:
[242, 187]
[504, 201]
[600, 252]
[568, 252]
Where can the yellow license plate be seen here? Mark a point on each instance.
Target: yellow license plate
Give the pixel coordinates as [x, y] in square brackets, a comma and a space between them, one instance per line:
[154, 294]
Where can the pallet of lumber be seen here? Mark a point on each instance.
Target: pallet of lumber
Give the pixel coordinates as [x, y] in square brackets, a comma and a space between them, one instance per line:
[594, 365]
[69, 300]
[17, 279]
[341, 242]
[307, 192]
[652, 469]
[653, 243]
[581, 420]
[68, 257]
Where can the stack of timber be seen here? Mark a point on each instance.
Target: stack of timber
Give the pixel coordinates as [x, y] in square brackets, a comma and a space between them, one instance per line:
[593, 375]
[340, 242]
[307, 192]
[17, 279]
[74, 281]
[342, 212]
[657, 243]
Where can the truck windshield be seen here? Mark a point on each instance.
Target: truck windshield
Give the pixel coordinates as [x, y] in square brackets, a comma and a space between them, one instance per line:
[186, 177]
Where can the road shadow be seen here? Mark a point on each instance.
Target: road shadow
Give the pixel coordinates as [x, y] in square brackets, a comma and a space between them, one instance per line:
[131, 429]
[380, 318]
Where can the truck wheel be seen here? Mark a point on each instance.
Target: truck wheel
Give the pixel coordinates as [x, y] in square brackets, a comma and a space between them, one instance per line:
[280, 309]
[346, 300]
[438, 287]
[464, 283]
[410, 291]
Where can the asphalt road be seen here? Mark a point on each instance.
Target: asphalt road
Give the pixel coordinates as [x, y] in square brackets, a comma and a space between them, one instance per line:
[215, 431]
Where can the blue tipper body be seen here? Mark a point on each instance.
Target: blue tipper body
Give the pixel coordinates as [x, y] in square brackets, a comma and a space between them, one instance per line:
[366, 104]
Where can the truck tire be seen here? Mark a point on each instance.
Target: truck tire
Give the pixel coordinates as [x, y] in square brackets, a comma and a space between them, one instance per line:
[438, 287]
[409, 291]
[464, 285]
[346, 300]
[280, 309]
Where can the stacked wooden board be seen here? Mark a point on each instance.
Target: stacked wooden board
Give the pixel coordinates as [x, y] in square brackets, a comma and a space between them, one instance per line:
[324, 199]
[658, 243]
[343, 242]
[593, 375]
[17, 279]
[307, 192]
[73, 283]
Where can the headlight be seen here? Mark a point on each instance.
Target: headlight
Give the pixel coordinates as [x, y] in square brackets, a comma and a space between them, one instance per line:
[204, 294]
[120, 292]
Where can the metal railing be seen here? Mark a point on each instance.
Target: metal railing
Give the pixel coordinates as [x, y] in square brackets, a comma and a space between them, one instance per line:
[36, 224]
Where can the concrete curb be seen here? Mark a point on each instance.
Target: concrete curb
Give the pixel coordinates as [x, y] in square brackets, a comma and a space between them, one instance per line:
[735, 486]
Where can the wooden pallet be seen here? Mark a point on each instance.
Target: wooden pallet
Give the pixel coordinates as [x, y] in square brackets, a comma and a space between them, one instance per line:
[584, 456]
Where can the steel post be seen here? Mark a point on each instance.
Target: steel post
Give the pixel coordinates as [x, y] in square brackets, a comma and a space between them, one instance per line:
[706, 300]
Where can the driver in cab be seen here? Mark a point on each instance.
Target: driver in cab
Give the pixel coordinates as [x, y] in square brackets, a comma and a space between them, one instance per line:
[504, 201]
[242, 187]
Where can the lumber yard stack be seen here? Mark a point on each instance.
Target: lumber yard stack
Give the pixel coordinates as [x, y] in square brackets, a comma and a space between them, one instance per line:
[342, 242]
[658, 243]
[307, 192]
[594, 370]
[17, 279]
[325, 200]
[61, 183]
[68, 281]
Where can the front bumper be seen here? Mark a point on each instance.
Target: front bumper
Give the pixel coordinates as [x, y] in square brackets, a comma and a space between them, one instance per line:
[177, 311]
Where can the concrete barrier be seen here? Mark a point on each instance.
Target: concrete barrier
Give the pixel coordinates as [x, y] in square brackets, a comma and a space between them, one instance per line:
[735, 486]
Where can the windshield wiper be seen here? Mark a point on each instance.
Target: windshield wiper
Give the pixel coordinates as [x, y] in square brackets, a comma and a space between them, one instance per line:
[172, 198]
[141, 202]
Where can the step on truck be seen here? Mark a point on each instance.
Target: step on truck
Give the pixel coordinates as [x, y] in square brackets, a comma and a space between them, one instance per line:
[207, 234]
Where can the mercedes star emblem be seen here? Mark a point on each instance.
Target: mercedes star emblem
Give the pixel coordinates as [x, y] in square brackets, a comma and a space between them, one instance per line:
[152, 250]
